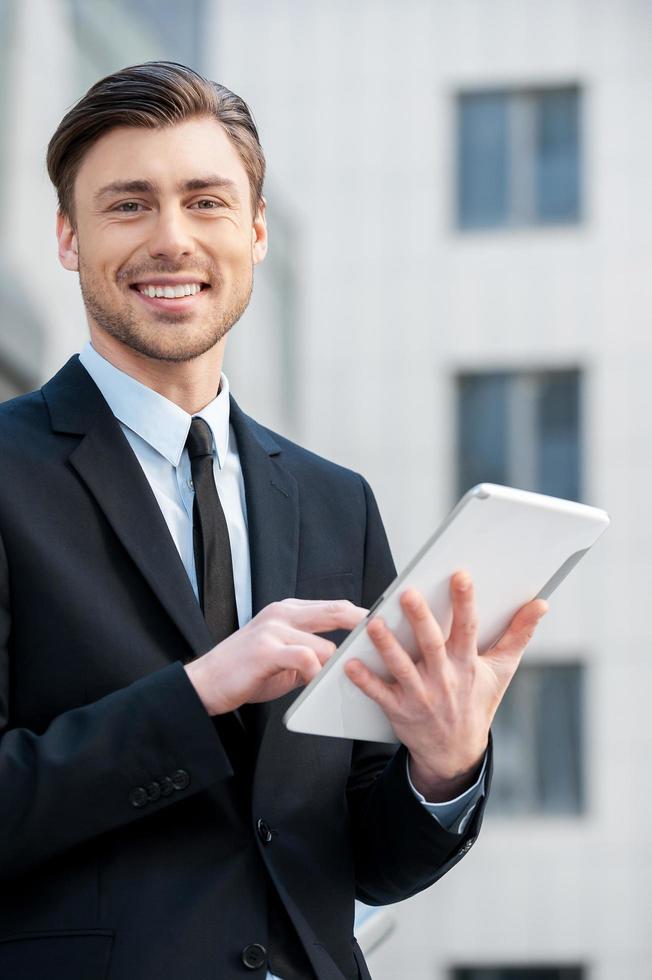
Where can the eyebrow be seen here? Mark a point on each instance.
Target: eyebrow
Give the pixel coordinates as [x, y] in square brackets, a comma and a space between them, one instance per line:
[151, 187]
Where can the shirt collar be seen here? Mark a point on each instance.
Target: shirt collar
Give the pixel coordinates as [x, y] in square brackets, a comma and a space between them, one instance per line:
[157, 420]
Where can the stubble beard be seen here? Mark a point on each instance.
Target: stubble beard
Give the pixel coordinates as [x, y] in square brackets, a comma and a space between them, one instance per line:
[156, 337]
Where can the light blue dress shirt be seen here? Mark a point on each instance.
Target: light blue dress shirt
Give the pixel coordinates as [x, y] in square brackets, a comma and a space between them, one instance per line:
[156, 430]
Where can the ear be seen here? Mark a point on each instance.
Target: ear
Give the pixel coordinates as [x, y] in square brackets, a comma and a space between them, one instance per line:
[68, 246]
[259, 233]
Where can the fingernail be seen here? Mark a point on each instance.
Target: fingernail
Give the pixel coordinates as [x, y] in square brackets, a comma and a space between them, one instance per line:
[463, 583]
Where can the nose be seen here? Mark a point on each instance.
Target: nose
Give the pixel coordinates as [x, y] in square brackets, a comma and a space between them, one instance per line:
[170, 237]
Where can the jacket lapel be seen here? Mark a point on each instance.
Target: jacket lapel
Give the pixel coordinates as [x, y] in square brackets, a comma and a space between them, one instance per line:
[106, 463]
[272, 499]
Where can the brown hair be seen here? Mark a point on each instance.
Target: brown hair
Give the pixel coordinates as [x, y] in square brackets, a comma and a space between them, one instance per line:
[151, 95]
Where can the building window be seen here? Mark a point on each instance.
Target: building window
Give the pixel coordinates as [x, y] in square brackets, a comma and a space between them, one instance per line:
[520, 429]
[518, 973]
[518, 158]
[538, 737]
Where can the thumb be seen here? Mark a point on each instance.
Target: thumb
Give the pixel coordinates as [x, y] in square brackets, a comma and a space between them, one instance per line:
[520, 631]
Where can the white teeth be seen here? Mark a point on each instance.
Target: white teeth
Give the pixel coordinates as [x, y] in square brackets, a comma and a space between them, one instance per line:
[171, 292]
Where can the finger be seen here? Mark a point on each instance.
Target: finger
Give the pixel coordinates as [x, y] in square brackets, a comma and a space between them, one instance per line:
[317, 615]
[398, 662]
[278, 685]
[427, 631]
[370, 684]
[325, 655]
[463, 639]
[293, 637]
[521, 629]
[300, 658]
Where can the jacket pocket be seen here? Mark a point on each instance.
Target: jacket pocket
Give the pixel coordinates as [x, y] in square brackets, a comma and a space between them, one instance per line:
[73, 954]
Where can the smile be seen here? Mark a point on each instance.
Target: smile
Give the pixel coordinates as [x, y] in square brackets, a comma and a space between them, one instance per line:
[168, 292]
[172, 298]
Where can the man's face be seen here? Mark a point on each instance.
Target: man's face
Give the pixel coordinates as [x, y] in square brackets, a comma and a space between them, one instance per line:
[164, 238]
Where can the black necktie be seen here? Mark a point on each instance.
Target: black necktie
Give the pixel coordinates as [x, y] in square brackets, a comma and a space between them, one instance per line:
[210, 538]
[213, 567]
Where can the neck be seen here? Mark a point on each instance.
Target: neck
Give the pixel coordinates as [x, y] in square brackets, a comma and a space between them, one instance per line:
[189, 384]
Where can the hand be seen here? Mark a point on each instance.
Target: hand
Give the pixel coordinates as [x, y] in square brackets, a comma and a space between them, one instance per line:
[441, 706]
[272, 654]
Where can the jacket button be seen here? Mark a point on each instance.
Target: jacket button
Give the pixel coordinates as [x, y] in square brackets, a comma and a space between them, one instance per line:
[254, 956]
[138, 796]
[180, 779]
[166, 785]
[264, 831]
[153, 791]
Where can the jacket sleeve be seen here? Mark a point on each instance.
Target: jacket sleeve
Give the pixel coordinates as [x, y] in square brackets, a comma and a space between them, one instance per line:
[97, 767]
[399, 848]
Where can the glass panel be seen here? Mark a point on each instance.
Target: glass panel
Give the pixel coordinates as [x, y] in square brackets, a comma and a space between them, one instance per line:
[558, 434]
[514, 789]
[483, 160]
[538, 738]
[482, 430]
[559, 739]
[558, 155]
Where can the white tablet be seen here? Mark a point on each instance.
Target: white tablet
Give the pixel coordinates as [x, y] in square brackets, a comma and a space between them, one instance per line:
[516, 545]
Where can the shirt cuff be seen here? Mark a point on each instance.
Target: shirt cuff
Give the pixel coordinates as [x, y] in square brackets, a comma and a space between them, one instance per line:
[453, 815]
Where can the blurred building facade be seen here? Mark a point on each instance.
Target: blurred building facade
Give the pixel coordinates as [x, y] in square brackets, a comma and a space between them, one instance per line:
[457, 290]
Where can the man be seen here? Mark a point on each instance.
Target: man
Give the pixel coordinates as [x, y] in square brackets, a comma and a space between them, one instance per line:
[168, 570]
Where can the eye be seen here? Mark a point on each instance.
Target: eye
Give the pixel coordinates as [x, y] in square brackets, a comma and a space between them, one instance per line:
[128, 207]
[208, 204]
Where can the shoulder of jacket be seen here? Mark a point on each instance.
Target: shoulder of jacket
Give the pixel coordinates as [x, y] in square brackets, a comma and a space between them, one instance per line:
[22, 412]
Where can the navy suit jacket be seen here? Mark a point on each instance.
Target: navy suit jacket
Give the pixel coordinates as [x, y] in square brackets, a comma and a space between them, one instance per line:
[129, 846]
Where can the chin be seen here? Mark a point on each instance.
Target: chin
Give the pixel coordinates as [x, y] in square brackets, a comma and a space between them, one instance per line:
[177, 351]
